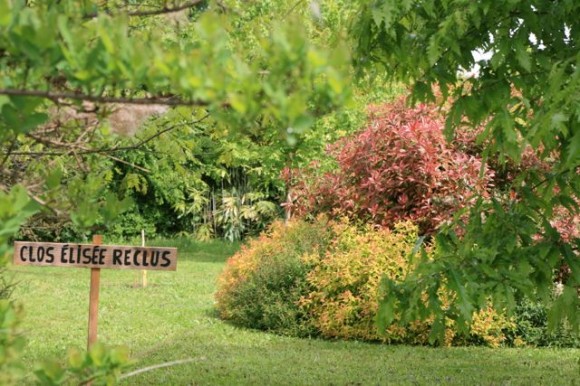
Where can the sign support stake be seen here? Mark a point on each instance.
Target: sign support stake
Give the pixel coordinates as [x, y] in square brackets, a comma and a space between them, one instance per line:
[143, 272]
[94, 299]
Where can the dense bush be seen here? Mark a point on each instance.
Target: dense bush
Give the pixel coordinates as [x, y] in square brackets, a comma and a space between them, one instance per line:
[262, 284]
[399, 167]
[531, 319]
[344, 282]
[323, 278]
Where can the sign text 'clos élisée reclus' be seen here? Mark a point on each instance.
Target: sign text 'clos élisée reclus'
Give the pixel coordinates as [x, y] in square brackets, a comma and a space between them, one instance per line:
[94, 256]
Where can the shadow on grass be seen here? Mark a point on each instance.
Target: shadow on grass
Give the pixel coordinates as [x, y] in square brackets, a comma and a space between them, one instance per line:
[213, 314]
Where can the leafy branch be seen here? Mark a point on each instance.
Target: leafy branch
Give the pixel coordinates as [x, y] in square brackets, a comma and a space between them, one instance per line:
[57, 96]
[154, 12]
[85, 151]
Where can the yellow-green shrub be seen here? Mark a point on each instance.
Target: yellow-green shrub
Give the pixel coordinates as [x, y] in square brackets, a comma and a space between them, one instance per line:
[345, 282]
[490, 327]
[323, 278]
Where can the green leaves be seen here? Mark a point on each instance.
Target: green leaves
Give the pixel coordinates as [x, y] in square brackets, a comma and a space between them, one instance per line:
[386, 311]
[18, 114]
[282, 81]
[11, 343]
[565, 307]
[448, 33]
[523, 57]
[87, 198]
[5, 12]
[101, 365]
[252, 73]
[15, 208]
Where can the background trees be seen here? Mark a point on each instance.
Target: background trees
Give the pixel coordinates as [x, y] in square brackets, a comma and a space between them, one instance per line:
[79, 76]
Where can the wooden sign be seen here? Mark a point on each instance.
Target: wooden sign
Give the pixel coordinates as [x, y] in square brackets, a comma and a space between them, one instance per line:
[95, 256]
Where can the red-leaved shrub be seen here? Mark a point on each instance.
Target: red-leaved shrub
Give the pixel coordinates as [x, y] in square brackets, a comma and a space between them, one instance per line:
[398, 168]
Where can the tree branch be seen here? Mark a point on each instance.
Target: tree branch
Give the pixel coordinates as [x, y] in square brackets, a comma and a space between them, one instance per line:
[56, 96]
[154, 12]
[117, 159]
[7, 155]
[85, 151]
[293, 8]
[144, 141]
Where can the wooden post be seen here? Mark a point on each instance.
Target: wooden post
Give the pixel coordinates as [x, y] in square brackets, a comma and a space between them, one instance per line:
[144, 272]
[94, 299]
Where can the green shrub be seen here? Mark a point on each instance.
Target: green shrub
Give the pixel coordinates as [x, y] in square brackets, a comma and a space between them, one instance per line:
[262, 284]
[531, 319]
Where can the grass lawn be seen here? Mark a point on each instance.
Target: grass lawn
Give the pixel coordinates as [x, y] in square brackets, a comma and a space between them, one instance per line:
[173, 319]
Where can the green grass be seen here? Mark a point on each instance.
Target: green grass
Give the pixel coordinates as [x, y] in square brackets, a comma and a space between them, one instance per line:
[174, 319]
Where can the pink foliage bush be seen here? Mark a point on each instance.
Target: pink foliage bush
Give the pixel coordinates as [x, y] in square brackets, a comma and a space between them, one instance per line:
[399, 168]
